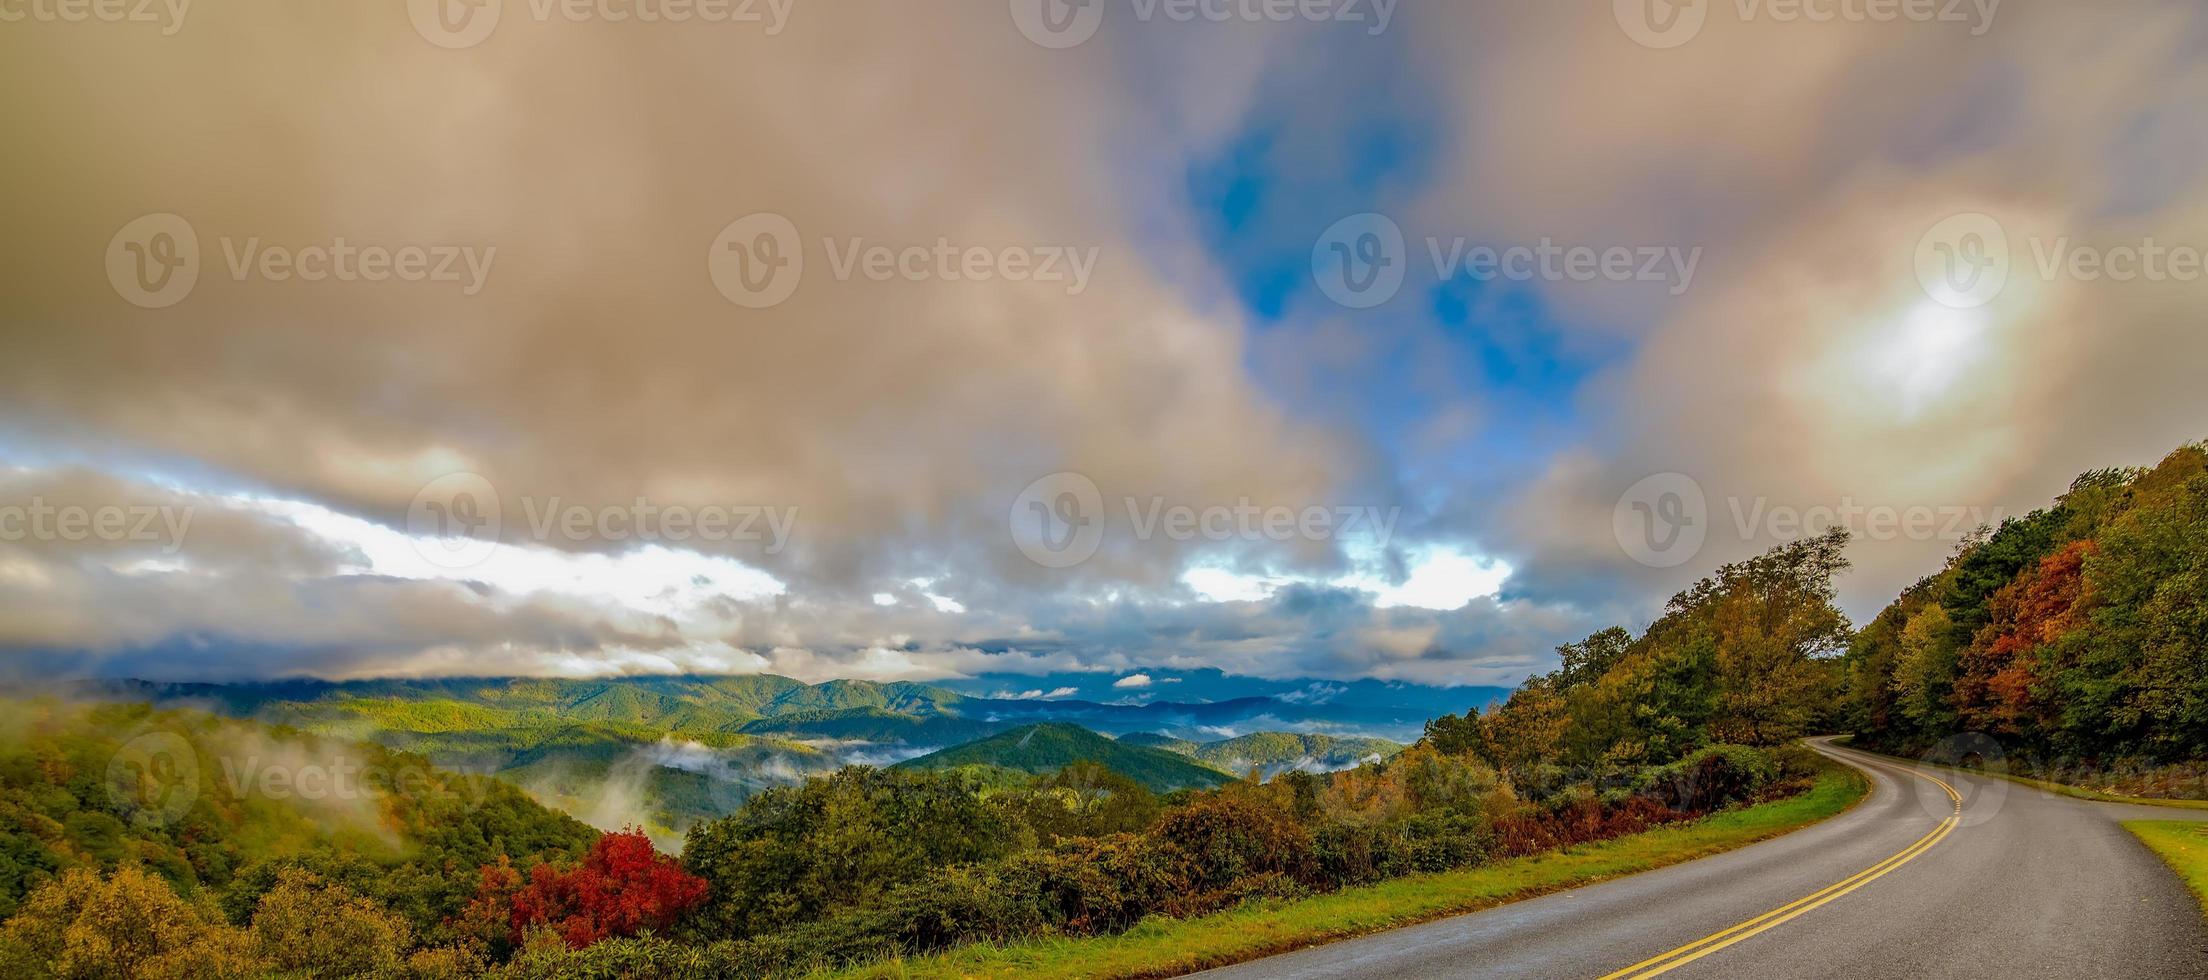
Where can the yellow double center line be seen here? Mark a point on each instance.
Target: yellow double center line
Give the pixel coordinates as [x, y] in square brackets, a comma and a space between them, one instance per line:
[1802, 906]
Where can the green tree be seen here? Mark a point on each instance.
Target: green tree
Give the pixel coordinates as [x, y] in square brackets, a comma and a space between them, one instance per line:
[795, 853]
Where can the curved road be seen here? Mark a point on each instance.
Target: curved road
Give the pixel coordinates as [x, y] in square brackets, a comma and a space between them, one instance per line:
[1995, 880]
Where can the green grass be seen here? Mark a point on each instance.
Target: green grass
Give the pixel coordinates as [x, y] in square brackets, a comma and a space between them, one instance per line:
[2184, 845]
[1165, 947]
[2083, 793]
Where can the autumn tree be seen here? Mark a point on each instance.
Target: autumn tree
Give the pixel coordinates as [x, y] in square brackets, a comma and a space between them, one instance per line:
[313, 926]
[622, 888]
[126, 926]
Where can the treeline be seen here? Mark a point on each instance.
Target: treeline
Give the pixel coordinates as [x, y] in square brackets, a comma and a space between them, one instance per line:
[1749, 656]
[2077, 634]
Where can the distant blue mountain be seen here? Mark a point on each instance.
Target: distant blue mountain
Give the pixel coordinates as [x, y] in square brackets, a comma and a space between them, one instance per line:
[1206, 705]
[1202, 705]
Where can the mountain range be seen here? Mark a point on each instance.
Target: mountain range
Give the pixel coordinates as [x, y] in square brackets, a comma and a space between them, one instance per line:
[664, 751]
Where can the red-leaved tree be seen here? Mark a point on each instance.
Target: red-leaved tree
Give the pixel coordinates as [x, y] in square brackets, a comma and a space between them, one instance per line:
[622, 888]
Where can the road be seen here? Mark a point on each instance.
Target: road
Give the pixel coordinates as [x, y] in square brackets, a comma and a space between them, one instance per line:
[1996, 880]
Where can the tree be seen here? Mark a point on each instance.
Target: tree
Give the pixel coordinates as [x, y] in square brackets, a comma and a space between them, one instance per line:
[622, 888]
[127, 926]
[795, 853]
[2002, 676]
[1464, 734]
[1588, 660]
[1924, 675]
[309, 925]
[1084, 799]
[1775, 626]
[2076, 629]
[1528, 730]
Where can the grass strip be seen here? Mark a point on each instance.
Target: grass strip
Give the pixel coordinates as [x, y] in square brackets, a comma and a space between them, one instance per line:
[1161, 947]
[2059, 789]
[2080, 792]
[2184, 845]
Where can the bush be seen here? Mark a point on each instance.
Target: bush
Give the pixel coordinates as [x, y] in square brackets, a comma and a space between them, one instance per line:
[1712, 778]
[1102, 884]
[1215, 844]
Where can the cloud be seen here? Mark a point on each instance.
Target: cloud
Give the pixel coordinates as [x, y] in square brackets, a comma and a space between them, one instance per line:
[599, 364]
[1132, 680]
[1808, 367]
[295, 422]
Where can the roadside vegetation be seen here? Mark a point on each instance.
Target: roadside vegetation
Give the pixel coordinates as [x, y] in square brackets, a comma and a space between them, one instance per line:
[1163, 946]
[2069, 640]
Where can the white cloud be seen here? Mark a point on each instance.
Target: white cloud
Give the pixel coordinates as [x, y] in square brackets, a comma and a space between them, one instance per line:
[1132, 680]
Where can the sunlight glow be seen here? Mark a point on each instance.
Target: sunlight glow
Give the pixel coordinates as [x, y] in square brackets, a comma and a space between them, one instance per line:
[1441, 577]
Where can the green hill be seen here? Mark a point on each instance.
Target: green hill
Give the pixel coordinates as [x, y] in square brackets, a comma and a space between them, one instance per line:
[1050, 747]
[872, 724]
[899, 696]
[1160, 740]
[1276, 752]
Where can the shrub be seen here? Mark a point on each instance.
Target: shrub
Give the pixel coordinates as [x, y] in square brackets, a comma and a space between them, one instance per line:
[1101, 884]
[1218, 844]
[1715, 777]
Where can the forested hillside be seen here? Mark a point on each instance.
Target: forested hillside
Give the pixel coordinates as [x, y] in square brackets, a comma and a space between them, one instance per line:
[662, 753]
[2075, 636]
[1748, 656]
[220, 818]
[1044, 749]
[1272, 753]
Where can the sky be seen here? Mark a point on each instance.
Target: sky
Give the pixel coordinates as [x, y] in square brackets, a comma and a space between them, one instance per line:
[1350, 340]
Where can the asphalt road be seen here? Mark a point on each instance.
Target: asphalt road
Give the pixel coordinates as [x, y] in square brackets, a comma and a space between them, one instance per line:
[2007, 881]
